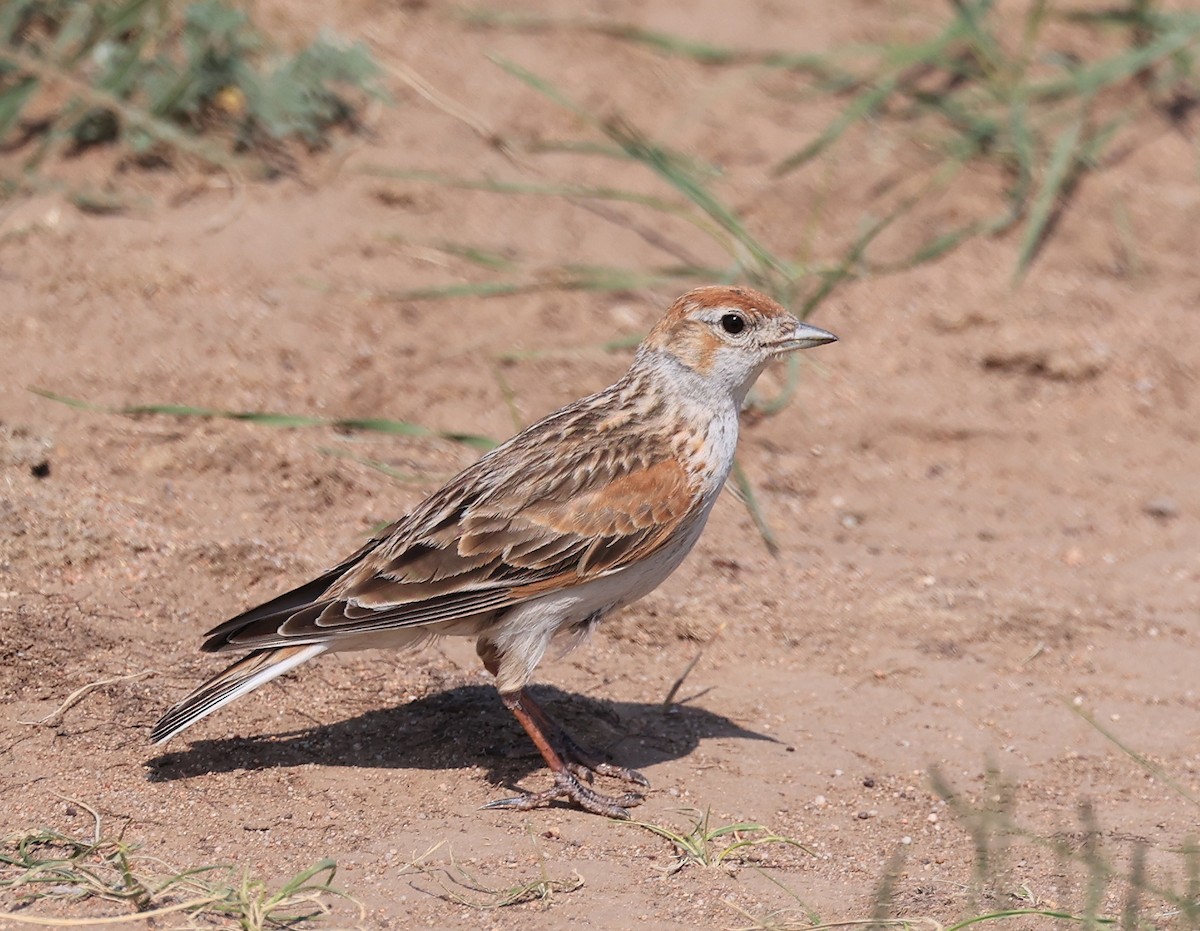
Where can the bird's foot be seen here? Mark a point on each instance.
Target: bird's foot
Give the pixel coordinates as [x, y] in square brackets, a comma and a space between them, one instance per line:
[567, 786]
[587, 765]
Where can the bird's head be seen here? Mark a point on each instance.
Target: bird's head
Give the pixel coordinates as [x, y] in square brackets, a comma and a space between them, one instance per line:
[727, 335]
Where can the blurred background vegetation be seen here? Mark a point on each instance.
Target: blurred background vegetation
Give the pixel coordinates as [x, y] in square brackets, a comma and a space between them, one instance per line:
[159, 78]
[1043, 99]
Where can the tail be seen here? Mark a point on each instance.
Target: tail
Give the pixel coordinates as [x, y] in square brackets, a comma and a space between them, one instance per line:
[244, 676]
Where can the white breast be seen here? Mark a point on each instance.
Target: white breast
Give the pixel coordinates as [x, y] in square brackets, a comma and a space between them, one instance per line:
[525, 632]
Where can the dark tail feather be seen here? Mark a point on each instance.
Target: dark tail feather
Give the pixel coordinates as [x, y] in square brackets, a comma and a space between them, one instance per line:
[275, 611]
[244, 676]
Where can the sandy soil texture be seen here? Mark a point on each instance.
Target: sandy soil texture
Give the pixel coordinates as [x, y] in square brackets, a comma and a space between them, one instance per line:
[985, 496]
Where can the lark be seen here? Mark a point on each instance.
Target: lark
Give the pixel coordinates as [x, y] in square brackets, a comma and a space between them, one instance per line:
[575, 517]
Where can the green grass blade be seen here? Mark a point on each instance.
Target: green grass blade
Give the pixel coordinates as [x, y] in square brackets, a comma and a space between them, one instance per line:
[615, 278]
[620, 344]
[672, 169]
[298, 882]
[694, 163]
[741, 826]
[667, 165]
[745, 491]
[562, 278]
[939, 246]
[1141, 760]
[975, 129]
[1091, 79]
[567, 191]
[679, 840]
[266, 418]
[1059, 171]
[466, 289]
[484, 258]
[545, 88]
[72, 30]
[13, 100]
[767, 837]
[848, 266]
[1024, 147]
[1032, 912]
[943, 244]
[525, 188]
[860, 108]
[705, 53]
[897, 60]
[819, 66]
[406, 478]
[970, 18]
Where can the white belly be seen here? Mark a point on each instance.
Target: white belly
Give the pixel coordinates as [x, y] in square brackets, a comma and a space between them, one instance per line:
[524, 633]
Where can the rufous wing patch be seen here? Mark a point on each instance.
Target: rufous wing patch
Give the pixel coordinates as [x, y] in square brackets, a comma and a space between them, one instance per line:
[622, 521]
[628, 502]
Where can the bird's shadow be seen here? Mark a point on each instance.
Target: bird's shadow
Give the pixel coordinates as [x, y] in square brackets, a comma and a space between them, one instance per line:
[458, 728]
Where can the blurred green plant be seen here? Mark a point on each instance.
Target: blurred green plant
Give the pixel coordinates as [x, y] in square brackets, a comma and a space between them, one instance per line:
[271, 419]
[797, 282]
[156, 75]
[1044, 96]
[1016, 98]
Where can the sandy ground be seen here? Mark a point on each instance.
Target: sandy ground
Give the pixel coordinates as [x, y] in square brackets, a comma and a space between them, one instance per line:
[985, 498]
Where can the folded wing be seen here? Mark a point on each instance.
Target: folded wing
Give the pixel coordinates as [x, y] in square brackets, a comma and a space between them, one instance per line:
[490, 539]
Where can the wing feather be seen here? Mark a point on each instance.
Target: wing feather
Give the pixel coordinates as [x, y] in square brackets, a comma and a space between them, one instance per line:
[527, 519]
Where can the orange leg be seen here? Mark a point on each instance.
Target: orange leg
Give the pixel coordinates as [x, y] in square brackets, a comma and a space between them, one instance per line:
[566, 759]
[566, 781]
[584, 763]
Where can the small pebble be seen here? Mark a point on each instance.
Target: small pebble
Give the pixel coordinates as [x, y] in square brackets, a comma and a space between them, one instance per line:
[1161, 508]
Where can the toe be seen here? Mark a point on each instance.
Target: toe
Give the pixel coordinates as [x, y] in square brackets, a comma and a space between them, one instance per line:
[567, 786]
[622, 773]
[516, 803]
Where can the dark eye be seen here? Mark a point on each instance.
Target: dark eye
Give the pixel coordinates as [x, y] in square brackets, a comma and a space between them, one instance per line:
[733, 323]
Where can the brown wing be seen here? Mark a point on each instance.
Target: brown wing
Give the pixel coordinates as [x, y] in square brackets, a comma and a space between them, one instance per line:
[523, 521]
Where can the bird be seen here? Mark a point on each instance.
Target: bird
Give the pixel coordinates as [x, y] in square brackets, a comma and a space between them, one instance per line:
[578, 515]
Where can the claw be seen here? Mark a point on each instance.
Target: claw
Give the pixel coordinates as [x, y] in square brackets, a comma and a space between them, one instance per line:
[587, 765]
[567, 786]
